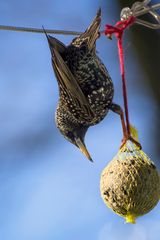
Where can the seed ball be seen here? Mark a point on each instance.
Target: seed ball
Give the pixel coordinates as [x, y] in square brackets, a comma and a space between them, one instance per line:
[130, 183]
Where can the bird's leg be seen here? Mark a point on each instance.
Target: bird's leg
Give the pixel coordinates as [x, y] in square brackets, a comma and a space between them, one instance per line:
[117, 109]
[126, 136]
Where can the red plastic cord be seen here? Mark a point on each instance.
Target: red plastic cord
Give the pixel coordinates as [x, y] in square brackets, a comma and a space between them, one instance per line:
[118, 30]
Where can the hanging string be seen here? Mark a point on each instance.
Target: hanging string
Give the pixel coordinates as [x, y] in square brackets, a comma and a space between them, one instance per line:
[118, 31]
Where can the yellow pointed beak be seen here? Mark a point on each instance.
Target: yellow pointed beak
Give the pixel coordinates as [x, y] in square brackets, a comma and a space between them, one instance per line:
[83, 148]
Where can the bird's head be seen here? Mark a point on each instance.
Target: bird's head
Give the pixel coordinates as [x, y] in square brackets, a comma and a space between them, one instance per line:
[76, 136]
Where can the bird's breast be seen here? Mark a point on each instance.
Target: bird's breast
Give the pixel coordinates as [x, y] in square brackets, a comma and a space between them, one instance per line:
[94, 81]
[96, 85]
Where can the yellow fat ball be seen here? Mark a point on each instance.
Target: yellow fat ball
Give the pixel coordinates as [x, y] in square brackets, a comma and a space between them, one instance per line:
[130, 183]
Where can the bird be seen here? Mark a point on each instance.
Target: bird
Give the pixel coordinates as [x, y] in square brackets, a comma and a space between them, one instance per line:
[85, 87]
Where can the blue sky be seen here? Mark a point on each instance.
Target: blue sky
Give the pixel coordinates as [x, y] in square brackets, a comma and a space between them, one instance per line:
[48, 190]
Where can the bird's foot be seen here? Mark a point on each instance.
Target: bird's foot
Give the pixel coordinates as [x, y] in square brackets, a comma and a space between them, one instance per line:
[125, 139]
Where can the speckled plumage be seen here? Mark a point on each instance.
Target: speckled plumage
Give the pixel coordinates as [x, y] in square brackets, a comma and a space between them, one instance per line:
[94, 80]
[85, 87]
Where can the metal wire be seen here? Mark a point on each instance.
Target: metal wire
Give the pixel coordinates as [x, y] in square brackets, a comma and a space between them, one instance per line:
[141, 8]
[38, 30]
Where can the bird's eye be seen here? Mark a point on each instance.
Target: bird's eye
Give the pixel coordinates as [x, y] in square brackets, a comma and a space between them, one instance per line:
[70, 135]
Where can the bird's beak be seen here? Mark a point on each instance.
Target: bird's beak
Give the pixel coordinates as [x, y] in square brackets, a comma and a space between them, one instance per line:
[83, 148]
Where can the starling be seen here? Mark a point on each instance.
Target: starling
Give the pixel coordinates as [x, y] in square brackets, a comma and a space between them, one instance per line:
[85, 86]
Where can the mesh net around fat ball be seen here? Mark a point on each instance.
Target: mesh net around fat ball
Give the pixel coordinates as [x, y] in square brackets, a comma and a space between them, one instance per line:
[130, 183]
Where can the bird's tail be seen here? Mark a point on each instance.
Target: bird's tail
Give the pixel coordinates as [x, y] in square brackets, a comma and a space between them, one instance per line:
[92, 32]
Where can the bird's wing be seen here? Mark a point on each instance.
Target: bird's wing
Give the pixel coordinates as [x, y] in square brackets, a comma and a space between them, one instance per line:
[69, 85]
[54, 43]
